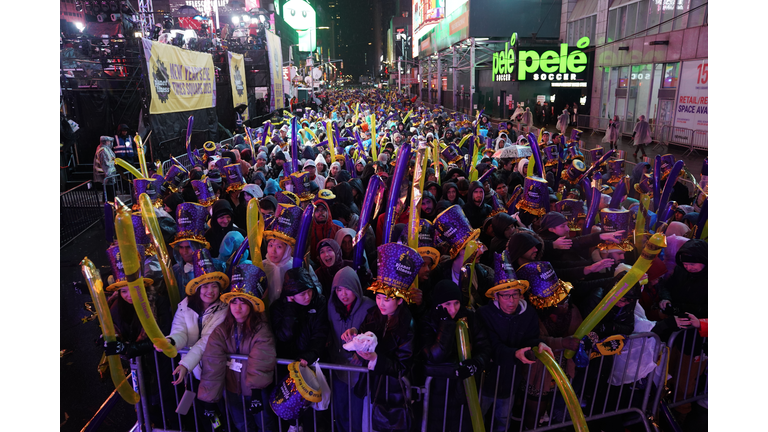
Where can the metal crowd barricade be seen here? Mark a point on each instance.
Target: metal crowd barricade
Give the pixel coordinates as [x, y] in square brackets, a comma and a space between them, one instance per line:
[79, 209]
[688, 367]
[605, 389]
[699, 142]
[195, 421]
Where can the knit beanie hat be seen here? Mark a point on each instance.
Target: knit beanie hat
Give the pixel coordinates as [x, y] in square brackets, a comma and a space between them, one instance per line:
[445, 290]
[296, 281]
[551, 220]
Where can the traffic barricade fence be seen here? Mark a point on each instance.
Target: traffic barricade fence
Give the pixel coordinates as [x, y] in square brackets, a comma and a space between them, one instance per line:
[688, 368]
[79, 209]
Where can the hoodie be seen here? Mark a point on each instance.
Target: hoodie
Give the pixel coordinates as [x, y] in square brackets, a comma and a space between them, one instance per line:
[446, 187]
[500, 223]
[343, 319]
[343, 192]
[476, 214]
[215, 234]
[428, 196]
[326, 274]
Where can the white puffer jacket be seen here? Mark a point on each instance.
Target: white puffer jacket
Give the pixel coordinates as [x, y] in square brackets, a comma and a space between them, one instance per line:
[185, 333]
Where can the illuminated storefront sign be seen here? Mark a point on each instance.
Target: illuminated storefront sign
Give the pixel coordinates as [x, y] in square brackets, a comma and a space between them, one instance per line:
[426, 12]
[511, 64]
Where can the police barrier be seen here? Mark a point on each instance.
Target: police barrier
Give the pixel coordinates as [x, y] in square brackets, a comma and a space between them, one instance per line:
[688, 368]
[79, 209]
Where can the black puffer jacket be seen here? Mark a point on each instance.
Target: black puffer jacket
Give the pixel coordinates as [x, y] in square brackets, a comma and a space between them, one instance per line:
[476, 214]
[301, 332]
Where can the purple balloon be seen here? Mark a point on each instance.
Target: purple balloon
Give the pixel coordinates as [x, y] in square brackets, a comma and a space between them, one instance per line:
[302, 239]
[668, 186]
[703, 215]
[188, 142]
[656, 183]
[403, 159]
[599, 162]
[619, 193]
[366, 213]
[593, 206]
[585, 184]
[294, 145]
[267, 130]
[666, 214]
[109, 223]
[487, 174]
[538, 169]
[350, 166]
[236, 257]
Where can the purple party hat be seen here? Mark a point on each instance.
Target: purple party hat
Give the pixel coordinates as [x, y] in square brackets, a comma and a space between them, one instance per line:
[616, 220]
[546, 289]
[453, 227]
[574, 171]
[504, 276]
[234, 175]
[248, 282]
[118, 272]
[204, 272]
[190, 218]
[398, 267]
[535, 198]
[204, 191]
[285, 224]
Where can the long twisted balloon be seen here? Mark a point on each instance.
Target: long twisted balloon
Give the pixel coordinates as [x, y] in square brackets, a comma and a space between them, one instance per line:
[470, 386]
[668, 186]
[652, 248]
[132, 268]
[255, 224]
[152, 226]
[302, 239]
[366, 214]
[401, 166]
[96, 288]
[571, 401]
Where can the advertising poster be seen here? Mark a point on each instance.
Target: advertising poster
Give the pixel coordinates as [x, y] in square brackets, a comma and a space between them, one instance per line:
[692, 98]
[237, 79]
[276, 98]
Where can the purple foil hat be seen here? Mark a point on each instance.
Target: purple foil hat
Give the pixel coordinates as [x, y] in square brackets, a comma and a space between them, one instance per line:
[573, 152]
[546, 289]
[645, 186]
[576, 135]
[496, 205]
[301, 186]
[204, 191]
[616, 220]
[287, 197]
[140, 233]
[190, 219]
[175, 178]
[204, 272]
[141, 186]
[515, 197]
[221, 163]
[202, 263]
[285, 224]
[535, 198]
[551, 154]
[249, 282]
[426, 234]
[573, 171]
[616, 171]
[452, 227]
[210, 149]
[504, 276]
[595, 154]
[451, 154]
[572, 210]
[159, 185]
[118, 272]
[234, 175]
[398, 267]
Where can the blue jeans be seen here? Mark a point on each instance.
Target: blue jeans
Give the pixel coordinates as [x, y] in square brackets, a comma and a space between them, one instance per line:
[343, 398]
[239, 417]
[500, 416]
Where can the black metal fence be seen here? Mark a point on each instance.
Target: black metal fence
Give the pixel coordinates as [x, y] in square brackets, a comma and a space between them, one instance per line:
[80, 209]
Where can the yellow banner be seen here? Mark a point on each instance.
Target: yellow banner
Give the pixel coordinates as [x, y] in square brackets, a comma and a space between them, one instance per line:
[275, 53]
[180, 80]
[237, 78]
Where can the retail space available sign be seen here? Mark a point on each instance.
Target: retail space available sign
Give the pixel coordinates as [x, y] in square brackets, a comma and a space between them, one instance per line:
[513, 64]
[692, 99]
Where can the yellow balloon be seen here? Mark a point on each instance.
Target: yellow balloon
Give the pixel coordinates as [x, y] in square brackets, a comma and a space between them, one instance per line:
[132, 268]
[128, 167]
[470, 387]
[153, 227]
[255, 224]
[96, 288]
[571, 401]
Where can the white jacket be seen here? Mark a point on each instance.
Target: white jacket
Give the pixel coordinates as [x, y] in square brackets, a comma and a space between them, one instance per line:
[184, 331]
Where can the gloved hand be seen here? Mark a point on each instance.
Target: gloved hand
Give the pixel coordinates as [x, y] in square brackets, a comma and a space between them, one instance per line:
[138, 348]
[442, 314]
[467, 369]
[571, 343]
[256, 405]
[114, 348]
[209, 409]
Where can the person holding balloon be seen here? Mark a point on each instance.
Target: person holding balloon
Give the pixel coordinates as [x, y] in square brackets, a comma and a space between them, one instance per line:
[245, 330]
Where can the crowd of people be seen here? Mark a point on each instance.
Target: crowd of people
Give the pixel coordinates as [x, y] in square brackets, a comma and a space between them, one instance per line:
[513, 236]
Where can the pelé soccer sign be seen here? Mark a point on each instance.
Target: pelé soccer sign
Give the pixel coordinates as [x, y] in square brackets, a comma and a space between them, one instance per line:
[512, 64]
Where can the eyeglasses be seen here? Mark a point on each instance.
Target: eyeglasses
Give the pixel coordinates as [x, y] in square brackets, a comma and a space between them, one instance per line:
[513, 295]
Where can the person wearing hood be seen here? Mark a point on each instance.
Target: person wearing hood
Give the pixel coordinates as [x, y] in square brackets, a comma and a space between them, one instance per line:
[347, 308]
[229, 246]
[435, 189]
[428, 206]
[503, 226]
[322, 228]
[359, 166]
[276, 166]
[257, 178]
[451, 195]
[517, 177]
[331, 261]
[439, 354]
[335, 169]
[221, 223]
[322, 166]
[475, 209]
[314, 177]
[500, 186]
[344, 194]
[358, 191]
[300, 319]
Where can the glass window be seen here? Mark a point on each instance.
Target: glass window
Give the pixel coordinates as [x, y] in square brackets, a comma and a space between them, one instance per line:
[624, 76]
[655, 95]
[654, 14]
[569, 41]
[681, 19]
[641, 84]
[671, 71]
[667, 13]
[621, 22]
[611, 90]
[606, 92]
[631, 18]
[611, 36]
[593, 31]
[642, 15]
[696, 16]
[581, 28]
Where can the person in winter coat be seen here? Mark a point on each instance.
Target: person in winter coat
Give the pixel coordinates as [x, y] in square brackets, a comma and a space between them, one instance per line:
[104, 171]
[300, 318]
[503, 227]
[686, 289]
[322, 228]
[279, 260]
[244, 331]
[475, 209]
[440, 355]
[451, 194]
[221, 224]
[562, 121]
[513, 329]
[331, 262]
[428, 206]
[347, 308]
[612, 132]
[642, 135]
[344, 194]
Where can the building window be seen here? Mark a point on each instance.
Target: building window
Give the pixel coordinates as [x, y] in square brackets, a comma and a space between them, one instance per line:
[671, 71]
[581, 28]
[656, 16]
